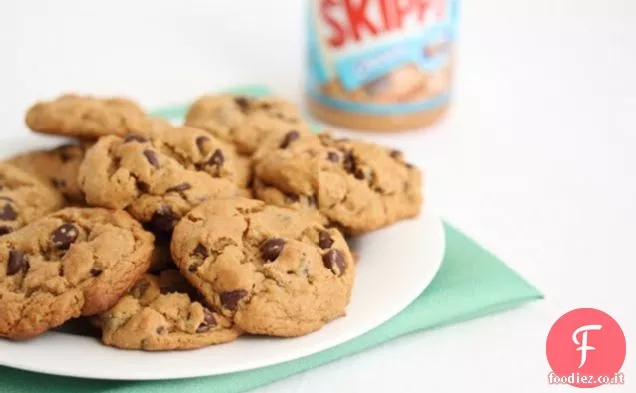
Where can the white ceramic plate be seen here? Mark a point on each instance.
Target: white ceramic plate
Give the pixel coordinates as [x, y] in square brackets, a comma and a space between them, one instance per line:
[396, 265]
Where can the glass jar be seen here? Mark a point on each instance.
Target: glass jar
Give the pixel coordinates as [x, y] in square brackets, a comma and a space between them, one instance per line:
[380, 64]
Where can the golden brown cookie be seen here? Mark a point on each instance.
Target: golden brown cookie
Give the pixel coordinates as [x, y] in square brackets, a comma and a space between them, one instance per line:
[160, 313]
[77, 261]
[87, 116]
[358, 186]
[158, 179]
[244, 121]
[23, 198]
[274, 271]
[56, 167]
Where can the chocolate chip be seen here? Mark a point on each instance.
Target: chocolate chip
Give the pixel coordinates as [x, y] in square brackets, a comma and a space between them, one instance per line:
[164, 218]
[292, 198]
[395, 153]
[161, 330]
[348, 163]
[17, 261]
[289, 138]
[8, 213]
[208, 321]
[143, 186]
[200, 251]
[324, 240]
[151, 156]
[242, 102]
[95, 272]
[135, 138]
[334, 261]
[200, 141]
[333, 157]
[58, 183]
[179, 188]
[359, 174]
[217, 158]
[64, 235]
[230, 299]
[194, 267]
[4, 230]
[272, 248]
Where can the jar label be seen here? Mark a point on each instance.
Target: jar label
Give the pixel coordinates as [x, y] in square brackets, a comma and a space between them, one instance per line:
[381, 56]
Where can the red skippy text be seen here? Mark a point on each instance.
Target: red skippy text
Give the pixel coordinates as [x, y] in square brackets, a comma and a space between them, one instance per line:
[350, 20]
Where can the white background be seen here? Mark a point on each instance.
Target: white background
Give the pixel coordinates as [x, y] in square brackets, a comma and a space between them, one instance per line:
[537, 159]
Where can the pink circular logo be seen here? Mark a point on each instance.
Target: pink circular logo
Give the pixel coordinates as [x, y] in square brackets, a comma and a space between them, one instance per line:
[586, 348]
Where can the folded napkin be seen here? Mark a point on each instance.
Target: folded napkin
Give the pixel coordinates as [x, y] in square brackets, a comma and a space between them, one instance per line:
[470, 283]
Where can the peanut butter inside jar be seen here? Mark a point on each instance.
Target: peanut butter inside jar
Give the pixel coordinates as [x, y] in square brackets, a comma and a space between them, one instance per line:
[384, 68]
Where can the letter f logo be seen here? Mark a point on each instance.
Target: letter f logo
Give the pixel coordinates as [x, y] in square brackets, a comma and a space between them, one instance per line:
[583, 344]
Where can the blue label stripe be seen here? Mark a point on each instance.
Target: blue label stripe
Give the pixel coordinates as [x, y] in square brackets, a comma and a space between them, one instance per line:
[381, 109]
[356, 70]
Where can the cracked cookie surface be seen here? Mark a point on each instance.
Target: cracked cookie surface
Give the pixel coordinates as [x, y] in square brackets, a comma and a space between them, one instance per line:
[77, 261]
[87, 116]
[358, 186]
[158, 178]
[56, 167]
[244, 121]
[272, 270]
[161, 313]
[23, 198]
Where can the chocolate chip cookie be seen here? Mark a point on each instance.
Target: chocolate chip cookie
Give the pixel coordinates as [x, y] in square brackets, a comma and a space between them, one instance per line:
[158, 314]
[57, 167]
[194, 148]
[157, 179]
[87, 116]
[358, 186]
[77, 261]
[23, 198]
[272, 270]
[244, 121]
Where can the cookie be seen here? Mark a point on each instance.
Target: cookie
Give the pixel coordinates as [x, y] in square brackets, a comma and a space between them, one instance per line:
[358, 186]
[77, 261]
[87, 116]
[272, 270]
[195, 149]
[56, 167]
[23, 198]
[157, 179]
[158, 314]
[244, 121]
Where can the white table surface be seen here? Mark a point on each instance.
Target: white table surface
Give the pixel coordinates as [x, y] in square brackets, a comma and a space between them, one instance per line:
[537, 159]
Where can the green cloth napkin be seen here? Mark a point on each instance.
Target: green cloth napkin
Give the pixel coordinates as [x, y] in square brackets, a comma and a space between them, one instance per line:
[470, 283]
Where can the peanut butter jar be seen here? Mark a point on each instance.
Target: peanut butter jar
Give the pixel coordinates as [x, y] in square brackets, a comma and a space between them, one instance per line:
[382, 65]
